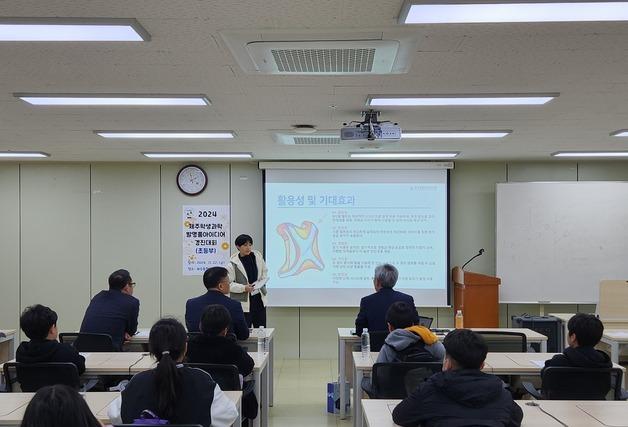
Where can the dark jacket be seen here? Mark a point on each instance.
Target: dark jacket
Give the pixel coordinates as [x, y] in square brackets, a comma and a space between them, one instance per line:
[195, 306]
[581, 357]
[452, 396]
[114, 313]
[193, 406]
[219, 350]
[43, 351]
[373, 309]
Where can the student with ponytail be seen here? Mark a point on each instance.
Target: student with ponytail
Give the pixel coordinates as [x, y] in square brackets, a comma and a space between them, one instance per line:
[172, 392]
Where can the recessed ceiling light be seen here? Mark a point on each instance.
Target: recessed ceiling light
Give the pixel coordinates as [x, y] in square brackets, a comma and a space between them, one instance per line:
[71, 30]
[199, 155]
[496, 11]
[113, 99]
[620, 133]
[165, 134]
[465, 99]
[446, 134]
[590, 154]
[22, 154]
[419, 155]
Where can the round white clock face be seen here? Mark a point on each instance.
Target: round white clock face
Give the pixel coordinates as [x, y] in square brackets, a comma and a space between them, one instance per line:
[192, 180]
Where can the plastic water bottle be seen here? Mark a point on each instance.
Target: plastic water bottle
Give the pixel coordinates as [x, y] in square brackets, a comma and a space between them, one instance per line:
[261, 340]
[459, 320]
[366, 343]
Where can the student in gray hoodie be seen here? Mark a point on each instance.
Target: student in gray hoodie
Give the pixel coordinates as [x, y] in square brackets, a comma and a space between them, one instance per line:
[406, 341]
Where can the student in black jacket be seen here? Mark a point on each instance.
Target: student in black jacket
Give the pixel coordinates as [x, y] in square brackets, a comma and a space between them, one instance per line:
[39, 323]
[585, 331]
[462, 394]
[114, 312]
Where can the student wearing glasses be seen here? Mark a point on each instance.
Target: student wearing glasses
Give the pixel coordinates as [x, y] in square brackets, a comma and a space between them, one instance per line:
[114, 311]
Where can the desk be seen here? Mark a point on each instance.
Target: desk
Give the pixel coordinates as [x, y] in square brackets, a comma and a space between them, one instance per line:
[615, 338]
[13, 406]
[346, 340]
[378, 413]
[516, 364]
[7, 345]
[250, 344]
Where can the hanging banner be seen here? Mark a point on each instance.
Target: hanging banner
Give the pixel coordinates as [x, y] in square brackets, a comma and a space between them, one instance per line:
[206, 241]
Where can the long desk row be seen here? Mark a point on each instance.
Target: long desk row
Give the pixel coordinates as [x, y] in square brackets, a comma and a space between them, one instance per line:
[13, 406]
[545, 413]
[516, 364]
[130, 363]
[347, 339]
[7, 344]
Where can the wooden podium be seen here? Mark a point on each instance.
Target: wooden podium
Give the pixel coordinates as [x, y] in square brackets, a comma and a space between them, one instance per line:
[477, 295]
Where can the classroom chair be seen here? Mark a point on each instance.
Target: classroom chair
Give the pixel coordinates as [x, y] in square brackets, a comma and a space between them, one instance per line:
[33, 376]
[505, 342]
[226, 376]
[398, 379]
[87, 342]
[568, 383]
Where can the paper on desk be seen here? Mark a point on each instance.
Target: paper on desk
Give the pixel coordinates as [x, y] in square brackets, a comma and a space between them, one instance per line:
[142, 334]
[85, 355]
[391, 407]
[539, 363]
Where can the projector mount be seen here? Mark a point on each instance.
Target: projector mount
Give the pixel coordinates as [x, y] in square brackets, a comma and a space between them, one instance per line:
[369, 123]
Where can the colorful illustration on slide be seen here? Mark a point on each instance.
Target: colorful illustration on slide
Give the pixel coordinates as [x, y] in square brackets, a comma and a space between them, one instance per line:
[301, 244]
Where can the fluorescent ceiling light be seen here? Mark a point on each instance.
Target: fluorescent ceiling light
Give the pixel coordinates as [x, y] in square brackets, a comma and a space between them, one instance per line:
[454, 100]
[23, 154]
[199, 155]
[620, 133]
[423, 155]
[590, 154]
[113, 99]
[71, 30]
[165, 134]
[455, 134]
[483, 11]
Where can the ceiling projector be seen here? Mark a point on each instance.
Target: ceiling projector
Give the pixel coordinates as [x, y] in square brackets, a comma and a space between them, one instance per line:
[370, 129]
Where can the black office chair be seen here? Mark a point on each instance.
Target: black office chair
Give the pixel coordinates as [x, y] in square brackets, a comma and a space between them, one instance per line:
[170, 425]
[397, 380]
[505, 342]
[426, 321]
[377, 339]
[567, 383]
[33, 376]
[95, 343]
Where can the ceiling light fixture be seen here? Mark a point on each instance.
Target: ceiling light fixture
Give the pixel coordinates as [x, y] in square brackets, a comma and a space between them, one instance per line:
[498, 11]
[590, 154]
[71, 30]
[620, 133]
[114, 99]
[199, 155]
[22, 154]
[417, 155]
[454, 134]
[459, 100]
[175, 134]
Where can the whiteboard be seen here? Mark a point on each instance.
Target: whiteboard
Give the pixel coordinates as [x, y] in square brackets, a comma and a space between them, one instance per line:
[555, 241]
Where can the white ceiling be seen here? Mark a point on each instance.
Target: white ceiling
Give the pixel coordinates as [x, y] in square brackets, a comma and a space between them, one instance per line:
[586, 63]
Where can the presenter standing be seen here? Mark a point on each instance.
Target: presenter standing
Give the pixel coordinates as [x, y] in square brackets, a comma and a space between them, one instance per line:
[248, 274]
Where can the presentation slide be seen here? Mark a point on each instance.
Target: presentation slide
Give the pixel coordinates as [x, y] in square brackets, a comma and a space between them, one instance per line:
[327, 230]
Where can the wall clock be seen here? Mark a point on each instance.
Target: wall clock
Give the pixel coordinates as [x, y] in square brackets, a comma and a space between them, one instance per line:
[192, 180]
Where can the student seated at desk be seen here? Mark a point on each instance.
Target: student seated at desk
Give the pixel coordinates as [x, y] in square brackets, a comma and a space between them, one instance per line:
[39, 323]
[585, 332]
[171, 391]
[462, 392]
[214, 346]
[58, 406]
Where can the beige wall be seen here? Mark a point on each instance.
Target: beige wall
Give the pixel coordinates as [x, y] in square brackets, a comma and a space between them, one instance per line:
[65, 227]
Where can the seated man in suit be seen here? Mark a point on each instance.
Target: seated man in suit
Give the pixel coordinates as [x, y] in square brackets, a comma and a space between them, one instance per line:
[585, 332]
[216, 280]
[373, 308]
[39, 323]
[461, 394]
[114, 312]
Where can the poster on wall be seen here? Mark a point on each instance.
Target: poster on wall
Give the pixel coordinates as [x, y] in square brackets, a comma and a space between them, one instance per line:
[205, 238]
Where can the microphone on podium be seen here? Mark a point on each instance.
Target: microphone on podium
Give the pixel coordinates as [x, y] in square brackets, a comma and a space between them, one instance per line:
[480, 252]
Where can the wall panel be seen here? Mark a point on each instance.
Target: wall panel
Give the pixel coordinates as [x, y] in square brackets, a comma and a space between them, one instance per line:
[9, 245]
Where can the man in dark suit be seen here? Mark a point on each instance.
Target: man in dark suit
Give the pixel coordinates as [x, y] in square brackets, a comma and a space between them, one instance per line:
[114, 312]
[216, 280]
[373, 308]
